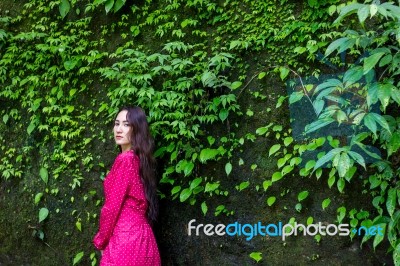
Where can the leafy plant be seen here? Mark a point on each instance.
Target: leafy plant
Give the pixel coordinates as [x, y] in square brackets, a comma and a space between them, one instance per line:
[375, 82]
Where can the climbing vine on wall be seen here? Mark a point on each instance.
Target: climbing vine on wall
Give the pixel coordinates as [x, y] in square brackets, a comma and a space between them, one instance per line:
[66, 70]
[364, 100]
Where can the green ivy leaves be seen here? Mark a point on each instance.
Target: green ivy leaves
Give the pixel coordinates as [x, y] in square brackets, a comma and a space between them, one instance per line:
[44, 174]
[43, 213]
[257, 256]
[208, 154]
[228, 168]
[326, 203]
[110, 5]
[302, 195]
[274, 148]
[64, 8]
[78, 257]
[271, 201]
[197, 93]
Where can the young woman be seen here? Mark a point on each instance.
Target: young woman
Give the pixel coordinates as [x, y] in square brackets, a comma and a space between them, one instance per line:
[125, 236]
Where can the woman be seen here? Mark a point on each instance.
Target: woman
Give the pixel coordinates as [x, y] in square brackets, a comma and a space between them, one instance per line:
[125, 236]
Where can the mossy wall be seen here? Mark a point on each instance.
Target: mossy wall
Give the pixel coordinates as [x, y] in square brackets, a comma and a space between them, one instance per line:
[68, 131]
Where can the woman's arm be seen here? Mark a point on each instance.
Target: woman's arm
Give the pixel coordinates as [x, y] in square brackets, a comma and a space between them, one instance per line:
[119, 180]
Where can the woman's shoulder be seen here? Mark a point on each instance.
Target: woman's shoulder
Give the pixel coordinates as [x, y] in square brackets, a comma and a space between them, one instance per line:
[127, 156]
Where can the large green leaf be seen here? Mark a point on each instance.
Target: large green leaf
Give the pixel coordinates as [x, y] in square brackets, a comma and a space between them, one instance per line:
[340, 45]
[373, 9]
[187, 169]
[257, 256]
[370, 123]
[243, 185]
[38, 196]
[394, 143]
[185, 194]
[325, 203]
[313, 3]
[395, 94]
[98, 2]
[228, 168]
[371, 61]
[204, 207]
[223, 114]
[318, 124]
[276, 176]
[5, 118]
[287, 141]
[364, 148]
[78, 258]
[236, 85]
[380, 235]
[363, 13]
[392, 10]
[331, 181]
[119, 4]
[195, 182]
[327, 92]
[340, 184]
[271, 201]
[274, 149]
[358, 158]
[328, 84]
[392, 227]
[341, 213]
[208, 154]
[384, 94]
[335, 45]
[318, 106]
[43, 213]
[391, 201]
[109, 5]
[64, 8]
[262, 130]
[296, 96]
[327, 157]
[208, 78]
[44, 174]
[175, 190]
[372, 94]
[381, 121]
[396, 255]
[31, 127]
[347, 10]
[302, 195]
[70, 64]
[211, 187]
[353, 75]
[283, 72]
[344, 164]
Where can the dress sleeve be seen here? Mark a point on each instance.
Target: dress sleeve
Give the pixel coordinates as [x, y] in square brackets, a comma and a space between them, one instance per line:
[115, 193]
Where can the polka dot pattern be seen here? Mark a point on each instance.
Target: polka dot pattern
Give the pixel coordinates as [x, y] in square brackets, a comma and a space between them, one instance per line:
[124, 234]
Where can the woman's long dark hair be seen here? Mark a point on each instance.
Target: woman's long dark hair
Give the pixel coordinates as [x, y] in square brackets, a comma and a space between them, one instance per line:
[143, 145]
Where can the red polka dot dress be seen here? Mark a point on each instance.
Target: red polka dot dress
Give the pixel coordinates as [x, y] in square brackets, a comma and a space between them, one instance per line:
[124, 235]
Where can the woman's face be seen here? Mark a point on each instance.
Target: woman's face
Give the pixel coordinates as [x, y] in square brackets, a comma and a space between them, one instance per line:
[122, 131]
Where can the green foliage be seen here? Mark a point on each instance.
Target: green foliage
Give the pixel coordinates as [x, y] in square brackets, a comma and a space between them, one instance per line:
[43, 213]
[77, 258]
[68, 72]
[271, 201]
[257, 256]
[326, 203]
[374, 82]
[302, 195]
[64, 8]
